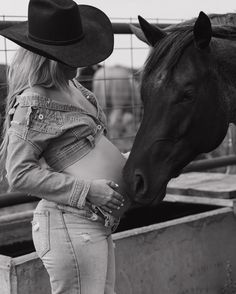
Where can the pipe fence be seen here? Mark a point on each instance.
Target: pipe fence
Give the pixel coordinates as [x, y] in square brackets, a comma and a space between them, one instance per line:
[115, 82]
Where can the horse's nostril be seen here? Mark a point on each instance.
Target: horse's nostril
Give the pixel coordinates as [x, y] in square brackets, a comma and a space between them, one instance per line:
[140, 185]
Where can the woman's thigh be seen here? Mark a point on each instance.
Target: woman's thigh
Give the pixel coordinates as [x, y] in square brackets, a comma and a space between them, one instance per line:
[74, 251]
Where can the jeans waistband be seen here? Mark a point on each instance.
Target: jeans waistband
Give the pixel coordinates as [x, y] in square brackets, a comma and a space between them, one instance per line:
[90, 211]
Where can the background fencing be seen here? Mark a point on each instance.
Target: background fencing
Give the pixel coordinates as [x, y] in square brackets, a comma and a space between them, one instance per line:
[116, 83]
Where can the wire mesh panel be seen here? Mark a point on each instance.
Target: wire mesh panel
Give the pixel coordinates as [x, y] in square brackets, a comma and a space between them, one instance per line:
[7, 50]
[115, 82]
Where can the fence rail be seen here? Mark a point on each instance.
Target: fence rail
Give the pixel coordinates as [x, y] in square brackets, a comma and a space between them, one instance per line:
[206, 164]
[7, 23]
[119, 28]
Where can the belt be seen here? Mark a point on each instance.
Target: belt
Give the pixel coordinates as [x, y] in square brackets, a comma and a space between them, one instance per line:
[109, 220]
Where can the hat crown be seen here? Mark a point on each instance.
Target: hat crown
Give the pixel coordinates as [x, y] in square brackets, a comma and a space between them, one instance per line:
[54, 21]
[60, 30]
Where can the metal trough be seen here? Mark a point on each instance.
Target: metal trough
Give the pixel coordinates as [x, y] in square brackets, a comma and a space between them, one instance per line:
[177, 248]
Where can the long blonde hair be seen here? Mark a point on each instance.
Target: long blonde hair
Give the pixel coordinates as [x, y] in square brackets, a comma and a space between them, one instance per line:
[28, 69]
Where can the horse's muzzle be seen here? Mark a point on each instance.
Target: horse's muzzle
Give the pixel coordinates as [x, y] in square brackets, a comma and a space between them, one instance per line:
[141, 191]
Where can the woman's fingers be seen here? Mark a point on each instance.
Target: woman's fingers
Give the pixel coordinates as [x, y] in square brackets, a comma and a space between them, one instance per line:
[114, 206]
[116, 202]
[117, 196]
[113, 185]
[109, 207]
[112, 200]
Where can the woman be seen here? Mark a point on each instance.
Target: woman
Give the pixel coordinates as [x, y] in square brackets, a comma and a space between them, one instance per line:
[55, 144]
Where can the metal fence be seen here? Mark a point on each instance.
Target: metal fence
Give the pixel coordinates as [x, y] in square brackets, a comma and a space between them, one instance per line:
[115, 82]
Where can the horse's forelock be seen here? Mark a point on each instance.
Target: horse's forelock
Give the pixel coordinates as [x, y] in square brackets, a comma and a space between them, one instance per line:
[167, 52]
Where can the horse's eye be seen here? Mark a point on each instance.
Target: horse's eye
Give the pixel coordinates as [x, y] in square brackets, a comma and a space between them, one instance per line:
[186, 96]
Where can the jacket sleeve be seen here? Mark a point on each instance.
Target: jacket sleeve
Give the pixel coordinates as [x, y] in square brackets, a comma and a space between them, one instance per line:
[25, 174]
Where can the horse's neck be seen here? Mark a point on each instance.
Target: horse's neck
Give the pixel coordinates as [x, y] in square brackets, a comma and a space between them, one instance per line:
[226, 58]
[230, 96]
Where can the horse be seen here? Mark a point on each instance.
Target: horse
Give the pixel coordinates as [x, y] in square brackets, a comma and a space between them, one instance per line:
[117, 90]
[116, 87]
[188, 92]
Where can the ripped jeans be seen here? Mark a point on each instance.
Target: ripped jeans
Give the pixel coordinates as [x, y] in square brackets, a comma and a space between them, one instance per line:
[76, 249]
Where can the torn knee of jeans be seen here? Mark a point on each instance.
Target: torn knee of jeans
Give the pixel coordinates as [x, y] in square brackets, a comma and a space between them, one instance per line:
[86, 237]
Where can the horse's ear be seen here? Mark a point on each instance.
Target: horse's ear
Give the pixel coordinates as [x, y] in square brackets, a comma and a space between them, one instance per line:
[152, 33]
[202, 31]
[138, 33]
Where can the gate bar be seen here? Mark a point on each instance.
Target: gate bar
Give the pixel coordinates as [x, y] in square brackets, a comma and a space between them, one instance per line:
[204, 164]
[118, 27]
[199, 165]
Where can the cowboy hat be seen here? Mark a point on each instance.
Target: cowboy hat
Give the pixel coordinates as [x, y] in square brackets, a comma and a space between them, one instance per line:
[76, 35]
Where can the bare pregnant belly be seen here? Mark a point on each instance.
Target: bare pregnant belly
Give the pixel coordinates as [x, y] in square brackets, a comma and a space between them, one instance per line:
[104, 161]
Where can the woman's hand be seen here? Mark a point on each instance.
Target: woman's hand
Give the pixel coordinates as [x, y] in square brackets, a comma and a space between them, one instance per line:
[102, 193]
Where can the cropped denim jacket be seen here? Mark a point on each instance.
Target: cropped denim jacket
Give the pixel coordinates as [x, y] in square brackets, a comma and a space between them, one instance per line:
[61, 134]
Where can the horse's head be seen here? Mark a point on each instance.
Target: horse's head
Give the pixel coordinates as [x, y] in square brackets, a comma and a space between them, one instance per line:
[185, 108]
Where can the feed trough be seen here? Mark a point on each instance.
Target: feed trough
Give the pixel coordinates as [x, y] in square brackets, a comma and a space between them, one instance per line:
[176, 247]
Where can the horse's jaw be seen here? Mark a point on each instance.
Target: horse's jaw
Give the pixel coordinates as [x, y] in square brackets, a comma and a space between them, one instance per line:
[155, 168]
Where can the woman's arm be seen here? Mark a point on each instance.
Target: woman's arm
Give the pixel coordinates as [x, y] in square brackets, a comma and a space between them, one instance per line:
[25, 174]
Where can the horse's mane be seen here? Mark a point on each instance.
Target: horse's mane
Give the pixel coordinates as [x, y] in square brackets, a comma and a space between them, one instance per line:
[168, 51]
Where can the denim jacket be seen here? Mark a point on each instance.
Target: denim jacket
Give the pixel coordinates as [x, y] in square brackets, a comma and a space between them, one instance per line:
[61, 134]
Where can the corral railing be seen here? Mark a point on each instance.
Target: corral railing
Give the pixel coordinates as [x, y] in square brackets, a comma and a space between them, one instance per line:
[124, 110]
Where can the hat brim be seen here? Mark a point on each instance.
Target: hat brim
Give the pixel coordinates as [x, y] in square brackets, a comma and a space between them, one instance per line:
[96, 45]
